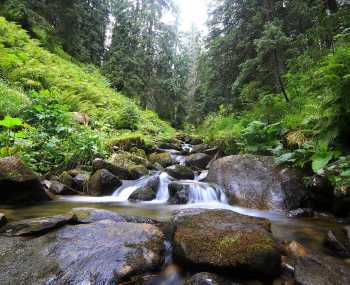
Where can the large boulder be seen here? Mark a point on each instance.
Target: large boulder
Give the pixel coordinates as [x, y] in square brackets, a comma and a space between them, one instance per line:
[146, 189]
[120, 172]
[91, 215]
[103, 252]
[103, 183]
[58, 188]
[179, 193]
[225, 241]
[180, 172]
[37, 225]
[75, 179]
[18, 183]
[321, 270]
[257, 182]
[163, 158]
[197, 160]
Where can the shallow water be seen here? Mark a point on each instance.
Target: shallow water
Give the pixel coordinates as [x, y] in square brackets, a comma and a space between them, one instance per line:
[309, 231]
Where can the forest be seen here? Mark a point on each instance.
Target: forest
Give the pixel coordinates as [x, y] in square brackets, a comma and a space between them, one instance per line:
[176, 152]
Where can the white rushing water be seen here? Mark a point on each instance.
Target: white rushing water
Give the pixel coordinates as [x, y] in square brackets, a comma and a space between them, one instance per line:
[163, 191]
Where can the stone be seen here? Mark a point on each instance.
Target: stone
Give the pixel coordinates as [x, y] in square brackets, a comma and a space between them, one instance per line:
[18, 183]
[197, 160]
[91, 215]
[103, 252]
[337, 243]
[3, 219]
[257, 182]
[120, 172]
[321, 270]
[225, 241]
[205, 278]
[180, 172]
[179, 193]
[143, 194]
[296, 249]
[164, 159]
[58, 188]
[301, 213]
[200, 148]
[170, 146]
[195, 141]
[103, 183]
[37, 226]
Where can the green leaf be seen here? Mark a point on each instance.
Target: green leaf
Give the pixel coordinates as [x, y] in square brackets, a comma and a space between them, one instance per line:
[345, 173]
[320, 160]
[9, 122]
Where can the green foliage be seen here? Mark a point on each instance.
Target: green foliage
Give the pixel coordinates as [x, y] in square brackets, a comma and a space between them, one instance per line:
[9, 124]
[44, 89]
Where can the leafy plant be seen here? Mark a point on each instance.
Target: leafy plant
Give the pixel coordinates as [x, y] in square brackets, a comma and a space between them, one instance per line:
[9, 124]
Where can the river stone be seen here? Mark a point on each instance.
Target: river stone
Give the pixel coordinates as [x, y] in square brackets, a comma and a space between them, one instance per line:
[257, 182]
[104, 252]
[3, 219]
[58, 188]
[205, 278]
[179, 193]
[321, 270]
[197, 160]
[225, 241]
[301, 213]
[103, 183]
[180, 172]
[91, 215]
[147, 191]
[120, 172]
[18, 183]
[37, 226]
[200, 148]
[164, 159]
[337, 243]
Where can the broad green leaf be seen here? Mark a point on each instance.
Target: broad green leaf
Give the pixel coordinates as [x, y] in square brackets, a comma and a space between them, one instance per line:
[320, 160]
[9, 122]
[345, 173]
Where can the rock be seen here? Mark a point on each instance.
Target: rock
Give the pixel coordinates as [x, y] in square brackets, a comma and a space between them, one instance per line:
[57, 188]
[129, 143]
[338, 244]
[296, 249]
[170, 146]
[66, 179]
[37, 226]
[200, 148]
[225, 241]
[257, 182]
[197, 160]
[120, 172]
[321, 270]
[212, 151]
[143, 194]
[205, 278]
[18, 183]
[91, 215]
[137, 171]
[195, 141]
[81, 118]
[103, 183]
[80, 181]
[3, 219]
[180, 172]
[146, 189]
[179, 193]
[164, 159]
[104, 252]
[341, 203]
[301, 213]
[347, 231]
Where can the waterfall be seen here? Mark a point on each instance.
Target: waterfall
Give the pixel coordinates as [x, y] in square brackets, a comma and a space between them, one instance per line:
[163, 192]
[200, 192]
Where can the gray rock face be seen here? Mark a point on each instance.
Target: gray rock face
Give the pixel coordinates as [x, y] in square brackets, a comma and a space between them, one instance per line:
[58, 188]
[91, 215]
[205, 278]
[179, 193]
[3, 219]
[257, 182]
[120, 172]
[103, 182]
[321, 270]
[180, 172]
[104, 252]
[147, 189]
[222, 240]
[18, 183]
[37, 226]
[197, 160]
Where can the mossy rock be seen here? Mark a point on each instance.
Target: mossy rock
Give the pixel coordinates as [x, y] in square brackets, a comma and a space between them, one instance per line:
[164, 159]
[180, 172]
[225, 241]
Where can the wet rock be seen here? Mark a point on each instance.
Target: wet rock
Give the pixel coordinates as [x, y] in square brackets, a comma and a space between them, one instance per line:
[337, 243]
[66, 179]
[347, 231]
[301, 213]
[104, 252]
[91, 215]
[58, 188]
[197, 160]
[37, 226]
[143, 194]
[137, 171]
[164, 159]
[257, 182]
[3, 219]
[170, 146]
[296, 249]
[179, 193]
[103, 183]
[195, 141]
[180, 172]
[341, 203]
[120, 172]
[321, 270]
[225, 241]
[212, 151]
[80, 180]
[18, 183]
[200, 148]
[205, 278]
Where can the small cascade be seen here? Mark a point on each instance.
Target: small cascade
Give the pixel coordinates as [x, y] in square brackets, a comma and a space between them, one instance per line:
[163, 192]
[201, 176]
[187, 147]
[200, 192]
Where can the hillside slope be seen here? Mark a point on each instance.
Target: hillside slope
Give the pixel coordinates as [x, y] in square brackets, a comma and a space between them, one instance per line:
[44, 90]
